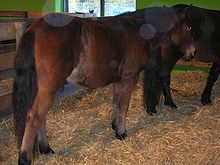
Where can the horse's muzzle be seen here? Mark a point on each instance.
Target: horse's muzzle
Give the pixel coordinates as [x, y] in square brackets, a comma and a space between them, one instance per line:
[189, 58]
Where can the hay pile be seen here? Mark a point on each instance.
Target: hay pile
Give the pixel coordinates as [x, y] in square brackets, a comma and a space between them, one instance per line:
[78, 129]
[6, 84]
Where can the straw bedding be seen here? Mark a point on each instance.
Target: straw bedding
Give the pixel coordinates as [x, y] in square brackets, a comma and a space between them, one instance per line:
[6, 84]
[78, 129]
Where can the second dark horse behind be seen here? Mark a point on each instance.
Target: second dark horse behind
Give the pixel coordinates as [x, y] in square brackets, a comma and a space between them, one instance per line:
[204, 26]
[59, 48]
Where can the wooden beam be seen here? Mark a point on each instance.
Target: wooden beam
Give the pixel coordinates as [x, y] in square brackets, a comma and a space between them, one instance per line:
[6, 100]
[5, 74]
[7, 31]
[41, 14]
[5, 48]
[22, 14]
[7, 60]
[18, 20]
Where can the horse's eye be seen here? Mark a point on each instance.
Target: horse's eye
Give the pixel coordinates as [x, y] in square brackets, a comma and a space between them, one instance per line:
[189, 28]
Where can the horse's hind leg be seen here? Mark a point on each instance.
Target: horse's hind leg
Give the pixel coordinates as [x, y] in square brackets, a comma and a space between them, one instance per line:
[121, 98]
[35, 118]
[212, 78]
[44, 146]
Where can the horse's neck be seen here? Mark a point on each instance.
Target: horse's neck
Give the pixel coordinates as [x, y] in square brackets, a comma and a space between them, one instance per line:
[122, 22]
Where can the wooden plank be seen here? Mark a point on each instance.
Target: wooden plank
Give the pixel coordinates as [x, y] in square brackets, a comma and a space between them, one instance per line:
[22, 14]
[41, 14]
[5, 114]
[194, 63]
[5, 74]
[5, 48]
[7, 60]
[7, 31]
[18, 20]
[6, 101]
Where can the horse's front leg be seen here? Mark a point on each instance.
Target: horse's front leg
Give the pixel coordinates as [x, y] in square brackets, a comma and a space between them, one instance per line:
[166, 91]
[44, 146]
[121, 98]
[153, 83]
[35, 118]
[212, 78]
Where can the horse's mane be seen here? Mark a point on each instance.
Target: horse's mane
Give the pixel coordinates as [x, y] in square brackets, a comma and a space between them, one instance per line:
[137, 13]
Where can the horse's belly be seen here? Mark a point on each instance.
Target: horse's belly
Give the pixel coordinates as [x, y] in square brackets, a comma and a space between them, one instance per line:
[94, 75]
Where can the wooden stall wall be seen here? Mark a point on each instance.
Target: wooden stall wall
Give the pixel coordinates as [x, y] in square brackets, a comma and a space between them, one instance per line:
[10, 33]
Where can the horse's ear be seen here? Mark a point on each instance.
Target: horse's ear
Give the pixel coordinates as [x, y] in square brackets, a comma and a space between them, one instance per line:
[181, 14]
[147, 31]
[161, 18]
[196, 12]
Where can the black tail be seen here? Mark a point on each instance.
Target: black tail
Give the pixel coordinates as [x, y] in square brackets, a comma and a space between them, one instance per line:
[25, 84]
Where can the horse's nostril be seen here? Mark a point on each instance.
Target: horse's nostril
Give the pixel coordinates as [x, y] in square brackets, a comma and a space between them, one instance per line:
[195, 52]
[187, 59]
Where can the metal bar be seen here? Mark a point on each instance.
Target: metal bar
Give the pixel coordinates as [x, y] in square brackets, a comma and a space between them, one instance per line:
[102, 8]
[66, 6]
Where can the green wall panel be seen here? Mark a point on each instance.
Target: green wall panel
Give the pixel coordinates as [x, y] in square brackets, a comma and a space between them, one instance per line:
[59, 5]
[209, 4]
[27, 5]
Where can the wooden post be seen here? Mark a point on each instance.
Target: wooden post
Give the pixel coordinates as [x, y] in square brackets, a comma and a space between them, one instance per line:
[20, 29]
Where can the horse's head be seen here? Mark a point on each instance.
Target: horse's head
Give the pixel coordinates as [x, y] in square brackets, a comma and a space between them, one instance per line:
[171, 25]
[181, 36]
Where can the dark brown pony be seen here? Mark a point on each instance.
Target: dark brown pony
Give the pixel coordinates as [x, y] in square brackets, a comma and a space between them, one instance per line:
[205, 27]
[60, 48]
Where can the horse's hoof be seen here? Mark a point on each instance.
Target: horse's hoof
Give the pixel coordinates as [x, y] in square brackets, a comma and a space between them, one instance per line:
[171, 105]
[206, 102]
[113, 125]
[23, 160]
[121, 137]
[151, 111]
[45, 149]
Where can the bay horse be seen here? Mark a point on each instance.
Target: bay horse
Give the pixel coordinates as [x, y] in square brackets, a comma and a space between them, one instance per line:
[205, 27]
[59, 48]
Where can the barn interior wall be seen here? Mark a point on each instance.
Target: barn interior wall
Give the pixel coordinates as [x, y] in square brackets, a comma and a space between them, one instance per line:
[28, 5]
[56, 5]
[209, 4]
